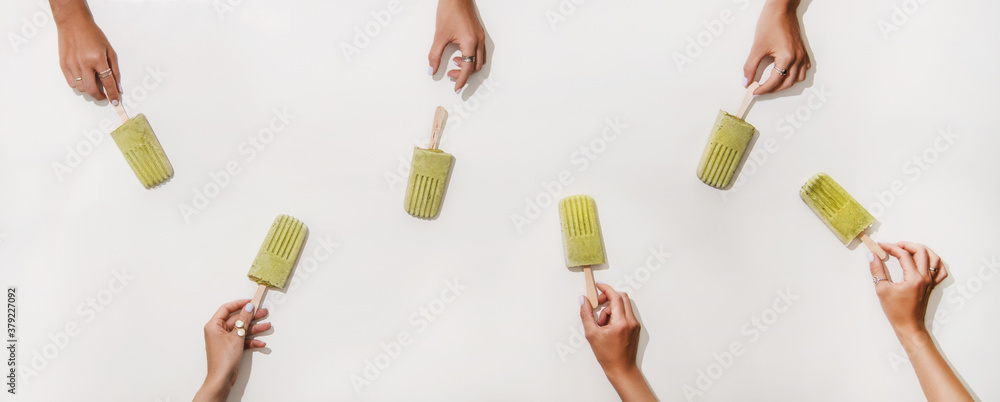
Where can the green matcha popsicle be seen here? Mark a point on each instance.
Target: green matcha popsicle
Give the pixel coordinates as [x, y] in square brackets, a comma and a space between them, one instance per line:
[278, 253]
[142, 150]
[428, 174]
[725, 149]
[839, 211]
[581, 233]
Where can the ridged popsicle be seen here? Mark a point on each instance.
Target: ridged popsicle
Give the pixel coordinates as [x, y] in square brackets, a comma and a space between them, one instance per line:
[142, 150]
[835, 207]
[428, 175]
[277, 255]
[581, 231]
[729, 140]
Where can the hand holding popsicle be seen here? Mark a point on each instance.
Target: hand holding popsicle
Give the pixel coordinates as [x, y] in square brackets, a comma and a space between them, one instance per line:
[905, 305]
[86, 58]
[614, 338]
[225, 341]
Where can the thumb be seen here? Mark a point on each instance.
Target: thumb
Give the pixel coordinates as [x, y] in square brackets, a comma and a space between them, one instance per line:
[242, 326]
[876, 266]
[587, 316]
[751, 66]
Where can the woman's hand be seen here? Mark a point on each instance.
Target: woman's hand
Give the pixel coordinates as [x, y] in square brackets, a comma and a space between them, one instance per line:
[88, 62]
[225, 340]
[778, 36]
[905, 303]
[614, 338]
[457, 22]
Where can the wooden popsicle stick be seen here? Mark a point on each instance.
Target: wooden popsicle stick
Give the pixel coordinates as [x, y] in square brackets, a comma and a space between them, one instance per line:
[121, 112]
[872, 245]
[591, 286]
[440, 115]
[747, 98]
[257, 298]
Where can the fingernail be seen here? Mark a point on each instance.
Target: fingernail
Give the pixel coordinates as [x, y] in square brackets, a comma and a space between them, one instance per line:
[871, 257]
[459, 91]
[248, 308]
[601, 283]
[120, 90]
[744, 82]
[114, 102]
[430, 70]
[582, 300]
[455, 63]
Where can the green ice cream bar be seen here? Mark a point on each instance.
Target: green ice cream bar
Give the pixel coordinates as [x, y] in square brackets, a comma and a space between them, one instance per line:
[277, 255]
[581, 231]
[428, 175]
[143, 152]
[835, 207]
[729, 140]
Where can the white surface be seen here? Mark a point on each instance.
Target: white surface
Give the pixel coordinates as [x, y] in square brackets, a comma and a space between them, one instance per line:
[553, 91]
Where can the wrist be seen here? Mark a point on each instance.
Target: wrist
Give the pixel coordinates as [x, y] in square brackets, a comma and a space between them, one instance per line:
[215, 388]
[789, 6]
[621, 374]
[70, 13]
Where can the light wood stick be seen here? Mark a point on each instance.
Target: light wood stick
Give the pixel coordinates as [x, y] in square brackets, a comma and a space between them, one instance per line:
[121, 112]
[440, 115]
[747, 98]
[257, 298]
[591, 286]
[872, 245]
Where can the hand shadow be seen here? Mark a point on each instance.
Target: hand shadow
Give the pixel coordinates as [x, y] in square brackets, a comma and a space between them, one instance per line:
[932, 307]
[799, 87]
[643, 342]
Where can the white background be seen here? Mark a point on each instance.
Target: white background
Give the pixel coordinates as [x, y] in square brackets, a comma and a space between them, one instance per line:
[551, 91]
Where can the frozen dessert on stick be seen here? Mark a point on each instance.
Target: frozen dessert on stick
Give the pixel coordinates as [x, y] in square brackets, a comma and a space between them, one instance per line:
[839, 211]
[581, 233]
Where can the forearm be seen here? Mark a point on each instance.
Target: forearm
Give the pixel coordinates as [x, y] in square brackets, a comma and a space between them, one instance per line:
[631, 386]
[64, 11]
[786, 5]
[937, 380]
[213, 391]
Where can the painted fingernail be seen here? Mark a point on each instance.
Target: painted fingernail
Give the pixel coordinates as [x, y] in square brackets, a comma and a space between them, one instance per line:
[582, 300]
[744, 82]
[459, 91]
[455, 63]
[114, 102]
[120, 90]
[248, 308]
[430, 70]
[871, 257]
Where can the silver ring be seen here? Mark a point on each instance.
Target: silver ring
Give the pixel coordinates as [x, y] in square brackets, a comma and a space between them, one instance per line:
[105, 73]
[78, 79]
[469, 59]
[934, 270]
[876, 280]
[780, 70]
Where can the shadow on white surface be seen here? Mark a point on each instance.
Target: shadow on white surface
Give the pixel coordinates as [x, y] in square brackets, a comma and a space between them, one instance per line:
[932, 308]
[643, 342]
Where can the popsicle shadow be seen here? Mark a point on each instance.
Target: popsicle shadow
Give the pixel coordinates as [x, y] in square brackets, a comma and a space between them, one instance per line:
[246, 363]
[799, 87]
